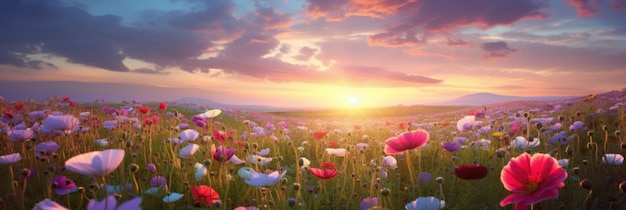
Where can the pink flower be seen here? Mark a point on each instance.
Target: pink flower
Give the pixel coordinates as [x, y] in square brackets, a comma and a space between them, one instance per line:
[96, 163]
[531, 179]
[60, 122]
[406, 141]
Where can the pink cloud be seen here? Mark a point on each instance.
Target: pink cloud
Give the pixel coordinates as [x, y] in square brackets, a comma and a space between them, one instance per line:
[497, 50]
[618, 4]
[337, 10]
[585, 7]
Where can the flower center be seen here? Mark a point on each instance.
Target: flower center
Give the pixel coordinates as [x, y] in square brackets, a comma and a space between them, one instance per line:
[532, 185]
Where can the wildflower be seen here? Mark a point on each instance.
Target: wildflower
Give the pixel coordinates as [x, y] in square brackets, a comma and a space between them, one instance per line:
[450, 146]
[96, 163]
[406, 141]
[563, 162]
[110, 202]
[10, 158]
[201, 171]
[48, 204]
[162, 106]
[45, 149]
[20, 135]
[173, 197]
[522, 143]
[264, 152]
[244, 172]
[424, 176]
[471, 171]
[188, 135]
[210, 113]
[532, 179]
[466, 123]
[259, 160]
[317, 135]
[339, 152]
[60, 122]
[204, 194]
[235, 160]
[327, 171]
[222, 153]
[63, 185]
[613, 159]
[188, 150]
[102, 142]
[390, 161]
[369, 202]
[144, 109]
[264, 180]
[151, 167]
[425, 203]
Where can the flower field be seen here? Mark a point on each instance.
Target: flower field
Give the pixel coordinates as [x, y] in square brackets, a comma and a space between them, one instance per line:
[61, 154]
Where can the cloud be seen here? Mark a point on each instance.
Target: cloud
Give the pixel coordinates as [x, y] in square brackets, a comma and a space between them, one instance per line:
[341, 9]
[618, 4]
[150, 71]
[305, 54]
[585, 7]
[496, 50]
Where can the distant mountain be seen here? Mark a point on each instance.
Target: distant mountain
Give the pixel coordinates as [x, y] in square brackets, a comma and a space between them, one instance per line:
[213, 104]
[478, 99]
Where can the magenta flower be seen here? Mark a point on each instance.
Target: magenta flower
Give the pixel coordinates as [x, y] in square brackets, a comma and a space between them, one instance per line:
[221, 153]
[369, 202]
[450, 146]
[110, 203]
[151, 167]
[406, 141]
[60, 122]
[158, 181]
[62, 185]
[531, 179]
[10, 158]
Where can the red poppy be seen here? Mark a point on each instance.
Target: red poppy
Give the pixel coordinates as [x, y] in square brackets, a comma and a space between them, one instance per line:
[401, 126]
[72, 104]
[18, 106]
[240, 143]
[357, 127]
[333, 144]
[327, 171]
[317, 135]
[162, 106]
[219, 136]
[65, 98]
[445, 123]
[151, 121]
[204, 194]
[144, 109]
[471, 171]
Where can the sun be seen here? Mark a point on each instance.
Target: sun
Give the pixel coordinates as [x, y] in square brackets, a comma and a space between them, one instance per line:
[353, 101]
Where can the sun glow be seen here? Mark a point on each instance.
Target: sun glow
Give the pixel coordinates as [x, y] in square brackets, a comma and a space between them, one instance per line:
[353, 101]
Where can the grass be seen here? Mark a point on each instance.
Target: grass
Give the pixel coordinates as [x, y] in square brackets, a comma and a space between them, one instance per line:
[360, 173]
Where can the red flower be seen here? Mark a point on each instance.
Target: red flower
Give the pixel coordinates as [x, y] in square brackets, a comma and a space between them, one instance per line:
[151, 121]
[445, 123]
[471, 171]
[317, 135]
[18, 106]
[65, 98]
[357, 127]
[333, 144]
[72, 104]
[401, 126]
[327, 171]
[204, 194]
[162, 106]
[144, 109]
[406, 141]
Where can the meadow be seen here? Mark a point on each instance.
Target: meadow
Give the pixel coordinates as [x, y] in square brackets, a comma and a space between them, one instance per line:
[58, 154]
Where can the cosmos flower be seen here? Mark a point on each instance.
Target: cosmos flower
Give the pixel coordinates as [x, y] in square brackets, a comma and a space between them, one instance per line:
[531, 179]
[204, 195]
[221, 153]
[613, 159]
[63, 185]
[45, 149]
[327, 171]
[263, 180]
[96, 163]
[48, 204]
[425, 203]
[188, 150]
[466, 123]
[406, 141]
[390, 162]
[60, 122]
[109, 203]
[473, 171]
[188, 135]
[522, 143]
[258, 160]
[10, 158]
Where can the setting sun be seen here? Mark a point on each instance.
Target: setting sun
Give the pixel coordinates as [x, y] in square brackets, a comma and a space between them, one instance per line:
[353, 101]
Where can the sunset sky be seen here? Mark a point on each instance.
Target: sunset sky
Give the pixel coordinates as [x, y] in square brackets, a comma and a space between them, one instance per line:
[319, 52]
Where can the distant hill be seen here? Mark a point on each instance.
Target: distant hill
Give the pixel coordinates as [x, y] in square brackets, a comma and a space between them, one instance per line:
[213, 104]
[478, 99]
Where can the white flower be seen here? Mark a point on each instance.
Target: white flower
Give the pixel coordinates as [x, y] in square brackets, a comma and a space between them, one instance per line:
[613, 159]
[96, 163]
[210, 113]
[235, 160]
[102, 142]
[425, 203]
[390, 161]
[466, 123]
[10, 158]
[188, 135]
[521, 143]
[48, 204]
[259, 160]
[172, 197]
[201, 171]
[339, 152]
[264, 152]
[188, 150]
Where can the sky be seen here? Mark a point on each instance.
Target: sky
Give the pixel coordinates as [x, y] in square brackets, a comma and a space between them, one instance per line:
[318, 53]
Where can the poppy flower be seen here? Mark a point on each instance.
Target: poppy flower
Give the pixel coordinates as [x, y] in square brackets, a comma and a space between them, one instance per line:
[425, 203]
[466, 123]
[49, 204]
[10, 158]
[188, 135]
[264, 152]
[339, 152]
[317, 135]
[327, 171]
[110, 202]
[60, 122]
[210, 113]
[406, 141]
[264, 180]
[204, 194]
[18, 106]
[450, 146]
[246, 208]
[522, 143]
[390, 162]
[613, 159]
[144, 109]
[222, 153]
[188, 150]
[476, 171]
[173, 197]
[20, 135]
[531, 179]
[221, 135]
[259, 160]
[162, 106]
[333, 144]
[96, 163]
[63, 185]
[201, 171]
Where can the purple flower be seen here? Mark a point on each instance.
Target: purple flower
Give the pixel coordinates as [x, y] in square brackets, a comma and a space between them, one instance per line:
[110, 203]
[158, 181]
[577, 126]
[60, 122]
[450, 146]
[45, 149]
[20, 135]
[369, 202]
[151, 167]
[62, 185]
[424, 176]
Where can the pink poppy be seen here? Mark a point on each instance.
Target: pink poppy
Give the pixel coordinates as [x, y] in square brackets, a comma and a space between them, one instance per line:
[327, 171]
[63, 185]
[60, 122]
[20, 135]
[221, 153]
[532, 179]
[96, 163]
[406, 141]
